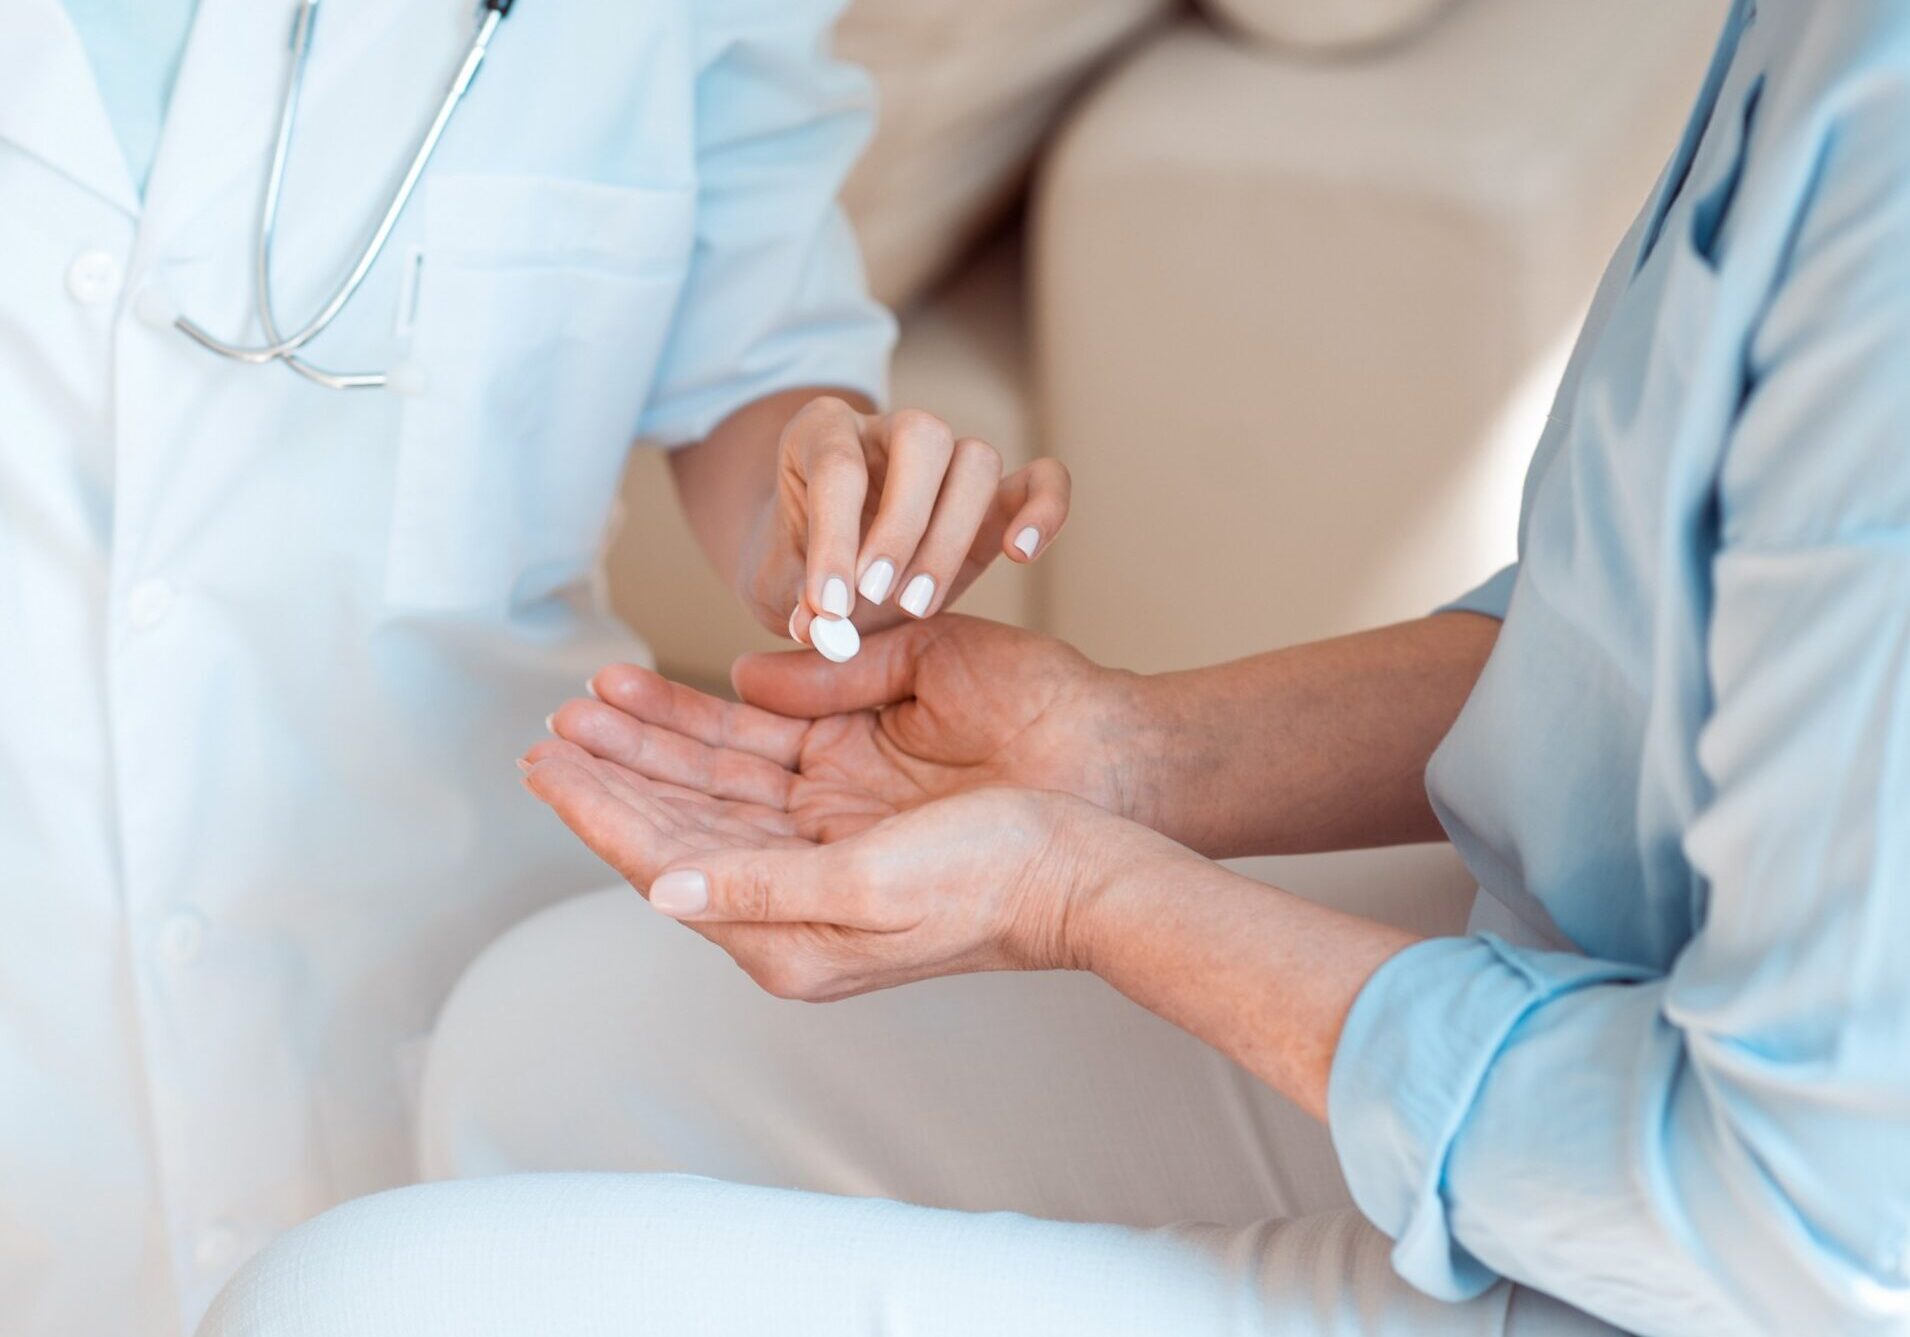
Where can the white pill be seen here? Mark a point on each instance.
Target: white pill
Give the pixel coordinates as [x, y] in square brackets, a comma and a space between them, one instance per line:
[835, 638]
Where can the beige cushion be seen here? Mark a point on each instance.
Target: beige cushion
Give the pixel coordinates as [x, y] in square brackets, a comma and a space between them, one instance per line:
[1300, 320]
[968, 89]
[1327, 25]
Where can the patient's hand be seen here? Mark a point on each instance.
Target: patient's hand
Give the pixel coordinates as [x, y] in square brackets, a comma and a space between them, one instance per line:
[927, 709]
[993, 879]
[988, 879]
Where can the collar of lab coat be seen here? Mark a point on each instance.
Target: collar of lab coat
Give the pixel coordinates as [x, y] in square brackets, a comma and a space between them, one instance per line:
[50, 104]
[224, 108]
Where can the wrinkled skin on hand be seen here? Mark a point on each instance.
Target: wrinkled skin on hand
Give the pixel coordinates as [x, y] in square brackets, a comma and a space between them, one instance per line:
[927, 710]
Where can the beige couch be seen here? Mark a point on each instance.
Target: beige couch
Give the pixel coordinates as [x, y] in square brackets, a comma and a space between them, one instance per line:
[1291, 290]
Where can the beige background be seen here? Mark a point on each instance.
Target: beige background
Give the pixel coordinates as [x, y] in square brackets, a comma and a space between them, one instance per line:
[1291, 316]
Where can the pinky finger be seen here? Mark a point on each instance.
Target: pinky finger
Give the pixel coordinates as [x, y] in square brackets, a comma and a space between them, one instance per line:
[1036, 499]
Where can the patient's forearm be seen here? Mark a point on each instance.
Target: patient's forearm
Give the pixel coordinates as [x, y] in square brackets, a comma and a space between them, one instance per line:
[1318, 747]
[1261, 975]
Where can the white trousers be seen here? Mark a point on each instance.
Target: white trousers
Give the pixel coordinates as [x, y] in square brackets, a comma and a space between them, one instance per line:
[1055, 1134]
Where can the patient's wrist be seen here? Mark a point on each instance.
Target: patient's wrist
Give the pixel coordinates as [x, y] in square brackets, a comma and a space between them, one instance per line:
[1129, 745]
[1146, 890]
[1122, 866]
[1170, 754]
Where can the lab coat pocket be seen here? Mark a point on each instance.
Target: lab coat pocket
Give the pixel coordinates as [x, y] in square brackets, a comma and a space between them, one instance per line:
[542, 307]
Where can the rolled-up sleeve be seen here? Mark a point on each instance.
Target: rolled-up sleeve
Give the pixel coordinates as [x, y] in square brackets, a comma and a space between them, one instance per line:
[1726, 1146]
[775, 297]
[1722, 1145]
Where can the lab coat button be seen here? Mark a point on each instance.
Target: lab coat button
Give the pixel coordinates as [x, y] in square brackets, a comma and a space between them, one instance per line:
[181, 937]
[92, 278]
[148, 603]
[217, 1248]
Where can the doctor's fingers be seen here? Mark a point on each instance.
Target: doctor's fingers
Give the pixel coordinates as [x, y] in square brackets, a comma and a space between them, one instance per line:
[1030, 507]
[967, 499]
[1033, 502]
[663, 754]
[823, 449]
[918, 448]
[654, 699]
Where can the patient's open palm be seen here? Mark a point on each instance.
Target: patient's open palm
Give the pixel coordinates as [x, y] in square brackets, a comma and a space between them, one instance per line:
[638, 825]
[821, 751]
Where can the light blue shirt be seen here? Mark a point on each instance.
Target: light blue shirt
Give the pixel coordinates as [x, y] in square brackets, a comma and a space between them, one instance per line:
[135, 47]
[1691, 751]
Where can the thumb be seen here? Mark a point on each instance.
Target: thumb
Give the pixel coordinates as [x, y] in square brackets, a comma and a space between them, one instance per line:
[786, 886]
[806, 686]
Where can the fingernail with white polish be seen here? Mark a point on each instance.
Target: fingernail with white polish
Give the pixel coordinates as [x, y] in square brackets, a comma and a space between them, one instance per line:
[1028, 540]
[877, 579]
[835, 638]
[550, 722]
[590, 685]
[684, 892]
[835, 597]
[792, 625]
[915, 599]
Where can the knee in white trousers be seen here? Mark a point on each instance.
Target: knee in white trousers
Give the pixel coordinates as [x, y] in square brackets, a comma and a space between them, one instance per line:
[598, 1036]
[675, 1256]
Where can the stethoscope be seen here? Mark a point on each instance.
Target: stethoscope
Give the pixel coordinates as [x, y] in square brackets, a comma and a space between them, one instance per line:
[283, 348]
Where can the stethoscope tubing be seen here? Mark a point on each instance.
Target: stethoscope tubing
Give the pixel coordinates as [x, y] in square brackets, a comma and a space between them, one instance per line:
[283, 348]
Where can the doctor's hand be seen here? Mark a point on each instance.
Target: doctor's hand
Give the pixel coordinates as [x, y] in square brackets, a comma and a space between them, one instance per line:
[882, 517]
[995, 879]
[926, 710]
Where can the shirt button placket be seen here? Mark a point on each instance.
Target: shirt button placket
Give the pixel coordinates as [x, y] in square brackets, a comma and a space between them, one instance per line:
[147, 664]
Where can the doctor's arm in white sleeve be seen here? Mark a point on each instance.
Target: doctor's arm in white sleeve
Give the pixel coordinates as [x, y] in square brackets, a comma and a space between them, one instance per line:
[1724, 1146]
[779, 355]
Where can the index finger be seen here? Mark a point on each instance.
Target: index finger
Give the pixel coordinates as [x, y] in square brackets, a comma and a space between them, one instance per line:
[631, 835]
[654, 699]
[831, 471]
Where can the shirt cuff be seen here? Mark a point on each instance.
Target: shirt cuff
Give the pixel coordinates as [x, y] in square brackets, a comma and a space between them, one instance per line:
[1489, 599]
[1415, 1051]
[863, 370]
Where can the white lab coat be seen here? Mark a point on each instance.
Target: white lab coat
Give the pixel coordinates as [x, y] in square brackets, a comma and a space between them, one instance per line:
[267, 651]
